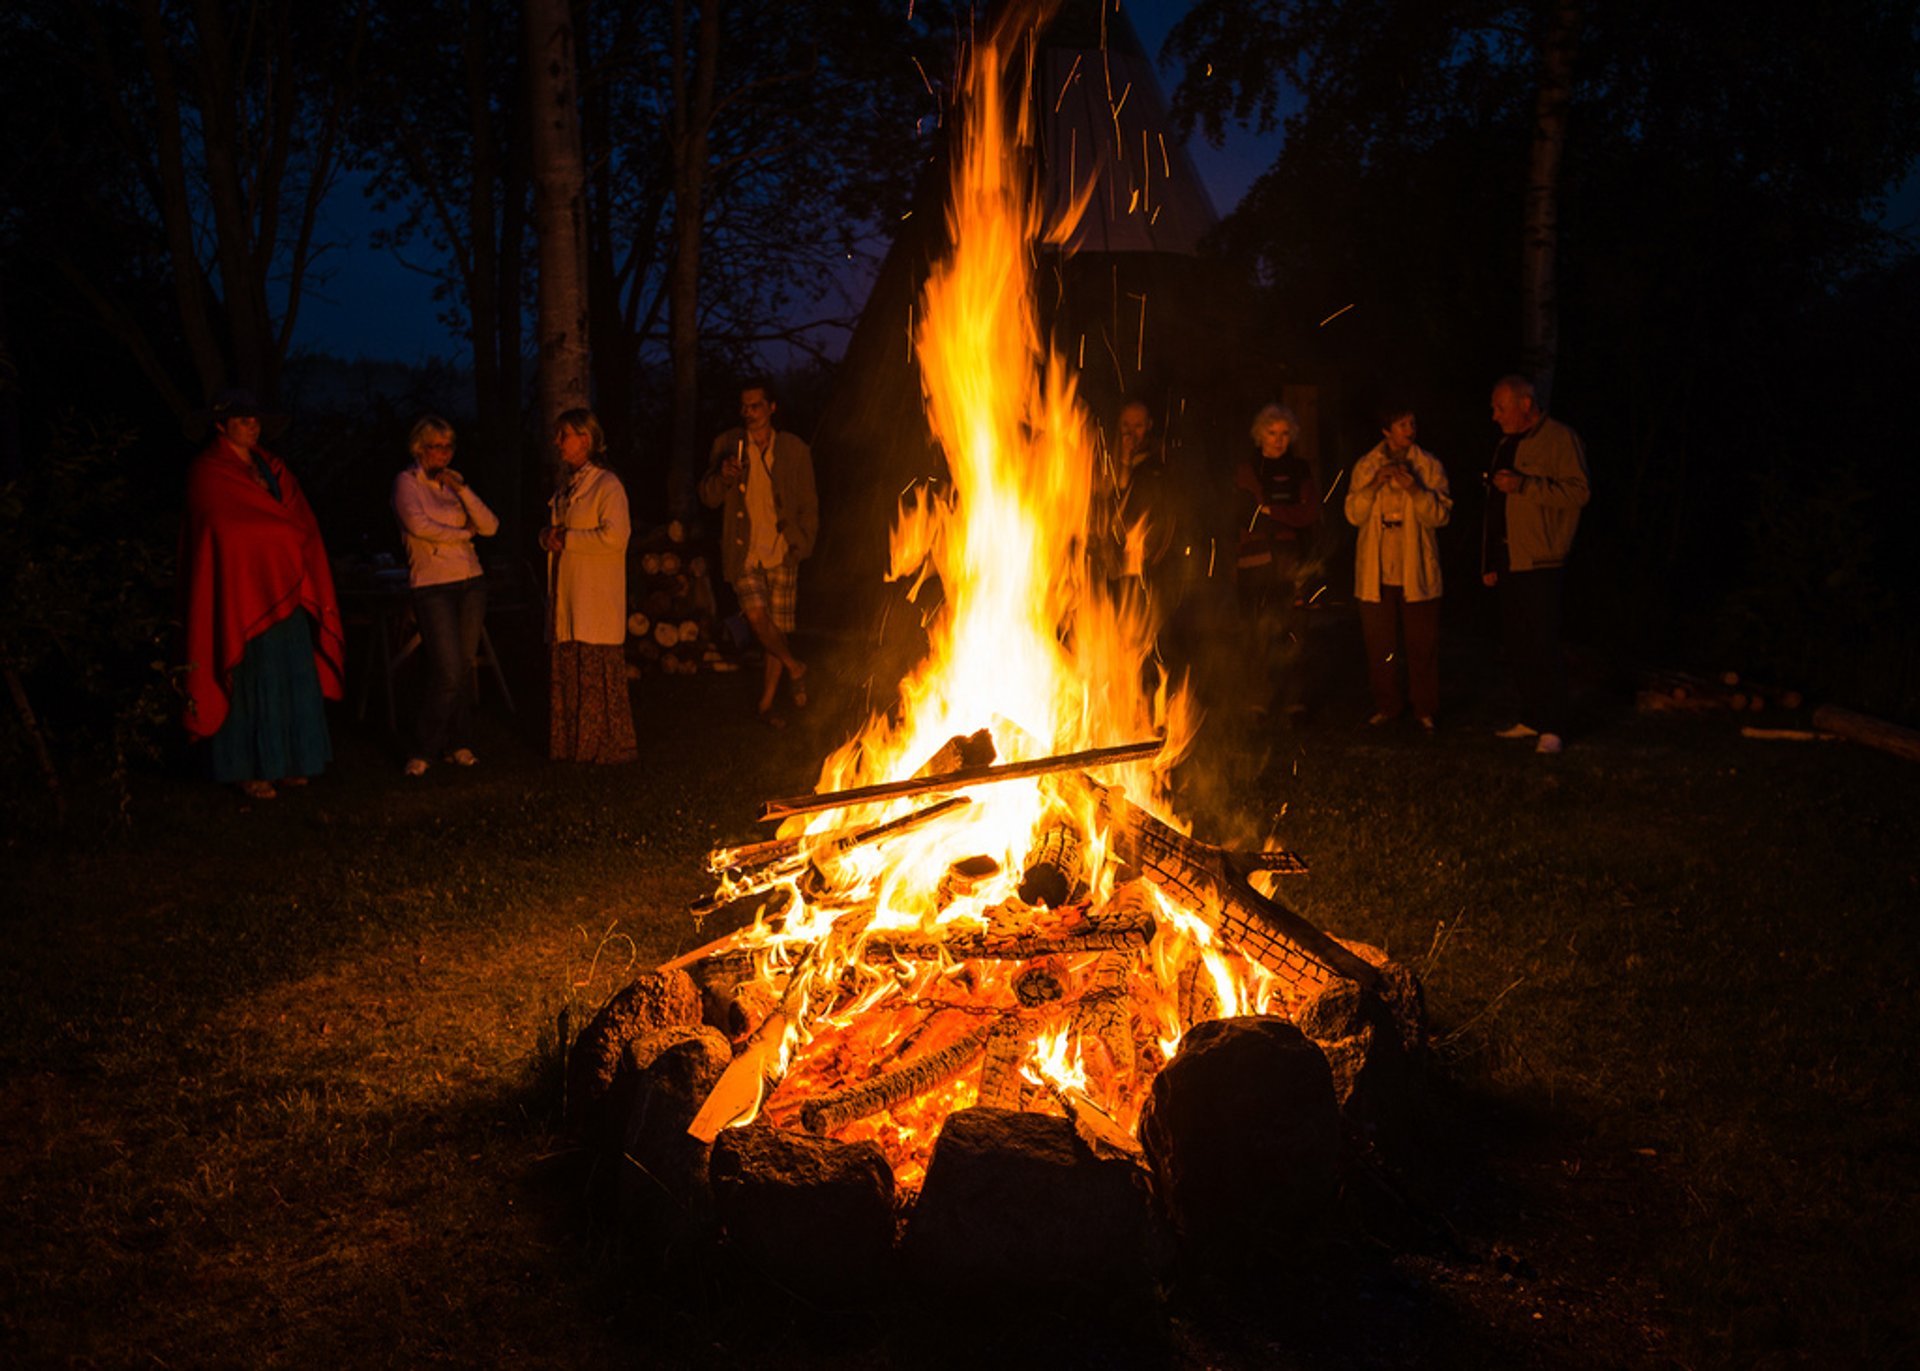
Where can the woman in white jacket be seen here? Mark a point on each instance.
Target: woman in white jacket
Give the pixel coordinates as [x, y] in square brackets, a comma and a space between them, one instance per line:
[440, 517]
[586, 546]
[1398, 500]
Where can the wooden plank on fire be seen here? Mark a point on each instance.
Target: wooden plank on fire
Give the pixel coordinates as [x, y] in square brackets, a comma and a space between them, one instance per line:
[976, 945]
[1202, 879]
[962, 779]
[738, 883]
[827, 1112]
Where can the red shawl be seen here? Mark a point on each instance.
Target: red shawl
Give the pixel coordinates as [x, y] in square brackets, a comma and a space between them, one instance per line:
[248, 561]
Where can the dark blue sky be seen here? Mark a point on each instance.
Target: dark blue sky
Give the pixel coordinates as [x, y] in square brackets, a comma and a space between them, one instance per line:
[372, 306]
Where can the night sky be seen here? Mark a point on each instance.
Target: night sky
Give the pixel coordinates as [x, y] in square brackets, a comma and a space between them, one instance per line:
[372, 305]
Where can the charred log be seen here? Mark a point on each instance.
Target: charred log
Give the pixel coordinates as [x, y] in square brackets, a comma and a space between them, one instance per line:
[889, 1088]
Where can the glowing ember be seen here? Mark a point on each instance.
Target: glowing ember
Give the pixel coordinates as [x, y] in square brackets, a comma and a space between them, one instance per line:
[915, 958]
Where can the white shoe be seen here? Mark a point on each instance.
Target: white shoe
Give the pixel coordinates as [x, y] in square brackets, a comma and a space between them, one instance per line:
[1518, 731]
[1549, 743]
[416, 766]
[463, 756]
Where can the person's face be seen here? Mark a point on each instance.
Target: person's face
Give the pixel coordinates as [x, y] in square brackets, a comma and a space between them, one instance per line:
[1276, 438]
[243, 431]
[436, 453]
[575, 445]
[1136, 426]
[756, 410]
[1400, 433]
[1512, 412]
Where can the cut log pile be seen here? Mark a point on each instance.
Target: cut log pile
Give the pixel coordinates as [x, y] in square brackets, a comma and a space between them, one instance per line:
[674, 624]
[1669, 691]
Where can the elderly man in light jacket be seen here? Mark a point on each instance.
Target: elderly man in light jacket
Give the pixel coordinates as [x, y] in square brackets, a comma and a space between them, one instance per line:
[1398, 500]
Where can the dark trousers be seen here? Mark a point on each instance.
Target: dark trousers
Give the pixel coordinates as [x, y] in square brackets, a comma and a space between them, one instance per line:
[1530, 623]
[1398, 629]
[449, 617]
[1271, 614]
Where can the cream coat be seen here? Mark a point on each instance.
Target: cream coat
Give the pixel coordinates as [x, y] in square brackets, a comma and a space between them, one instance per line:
[587, 578]
[1429, 506]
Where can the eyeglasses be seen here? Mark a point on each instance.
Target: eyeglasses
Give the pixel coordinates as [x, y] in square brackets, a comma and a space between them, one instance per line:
[437, 447]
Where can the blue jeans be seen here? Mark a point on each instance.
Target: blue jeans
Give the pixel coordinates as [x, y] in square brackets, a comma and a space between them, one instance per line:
[449, 617]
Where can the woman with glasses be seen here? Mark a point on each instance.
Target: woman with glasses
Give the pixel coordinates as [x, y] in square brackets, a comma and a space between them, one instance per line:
[440, 516]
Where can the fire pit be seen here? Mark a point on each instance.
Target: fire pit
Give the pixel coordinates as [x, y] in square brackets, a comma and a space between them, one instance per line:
[988, 904]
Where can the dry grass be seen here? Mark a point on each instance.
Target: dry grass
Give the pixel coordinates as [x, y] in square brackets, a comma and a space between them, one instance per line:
[280, 1085]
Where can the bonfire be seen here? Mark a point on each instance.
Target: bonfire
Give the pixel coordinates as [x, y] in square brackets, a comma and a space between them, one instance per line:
[989, 900]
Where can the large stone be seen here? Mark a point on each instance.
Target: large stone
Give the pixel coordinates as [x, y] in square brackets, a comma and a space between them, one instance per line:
[1243, 1134]
[1016, 1204]
[656, 999]
[663, 1079]
[811, 1215]
[1400, 991]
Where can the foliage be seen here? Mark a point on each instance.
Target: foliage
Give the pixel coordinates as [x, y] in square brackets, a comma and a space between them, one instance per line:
[170, 161]
[84, 620]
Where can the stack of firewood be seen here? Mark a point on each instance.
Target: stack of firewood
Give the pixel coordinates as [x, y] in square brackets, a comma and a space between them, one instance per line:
[1664, 690]
[674, 618]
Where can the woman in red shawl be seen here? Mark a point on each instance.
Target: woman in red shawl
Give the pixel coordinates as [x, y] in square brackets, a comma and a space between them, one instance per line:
[264, 640]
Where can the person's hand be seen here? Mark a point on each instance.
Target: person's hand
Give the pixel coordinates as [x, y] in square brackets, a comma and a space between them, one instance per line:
[552, 539]
[731, 468]
[452, 479]
[1507, 481]
[1402, 477]
[1490, 578]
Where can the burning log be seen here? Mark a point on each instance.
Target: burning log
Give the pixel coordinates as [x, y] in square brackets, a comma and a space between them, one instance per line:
[1056, 867]
[960, 752]
[1206, 881]
[787, 862]
[1018, 946]
[1001, 1084]
[897, 1086]
[1102, 1013]
[956, 780]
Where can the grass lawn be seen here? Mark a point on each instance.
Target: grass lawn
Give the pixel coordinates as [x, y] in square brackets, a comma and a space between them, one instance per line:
[278, 1085]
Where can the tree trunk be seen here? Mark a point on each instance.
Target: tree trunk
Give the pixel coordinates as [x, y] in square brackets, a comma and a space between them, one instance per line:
[560, 210]
[1540, 232]
[510, 398]
[692, 113]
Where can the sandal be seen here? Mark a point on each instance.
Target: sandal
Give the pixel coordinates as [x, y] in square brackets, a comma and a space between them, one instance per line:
[462, 756]
[771, 719]
[416, 766]
[258, 790]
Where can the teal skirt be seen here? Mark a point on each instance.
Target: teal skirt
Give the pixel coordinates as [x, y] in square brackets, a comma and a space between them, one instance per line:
[276, 724]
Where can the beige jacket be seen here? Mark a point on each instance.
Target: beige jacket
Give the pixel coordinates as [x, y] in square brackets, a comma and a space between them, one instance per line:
[1428, 507]
[587, 578]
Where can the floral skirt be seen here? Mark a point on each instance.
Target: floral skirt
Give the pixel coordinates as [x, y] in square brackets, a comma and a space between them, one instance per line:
[592, 716]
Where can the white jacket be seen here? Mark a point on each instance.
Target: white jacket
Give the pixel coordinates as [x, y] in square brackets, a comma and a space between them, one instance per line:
[1428, 507]
[438, 526]
[587, 578]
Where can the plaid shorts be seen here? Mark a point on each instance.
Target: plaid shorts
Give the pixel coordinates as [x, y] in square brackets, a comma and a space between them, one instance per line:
[774, 589]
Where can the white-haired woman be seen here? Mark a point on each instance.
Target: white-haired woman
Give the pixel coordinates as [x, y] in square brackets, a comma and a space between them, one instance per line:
[440, 516]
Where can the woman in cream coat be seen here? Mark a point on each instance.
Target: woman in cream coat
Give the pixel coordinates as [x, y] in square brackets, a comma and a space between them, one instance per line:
[1398, 500]
[586, 546]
